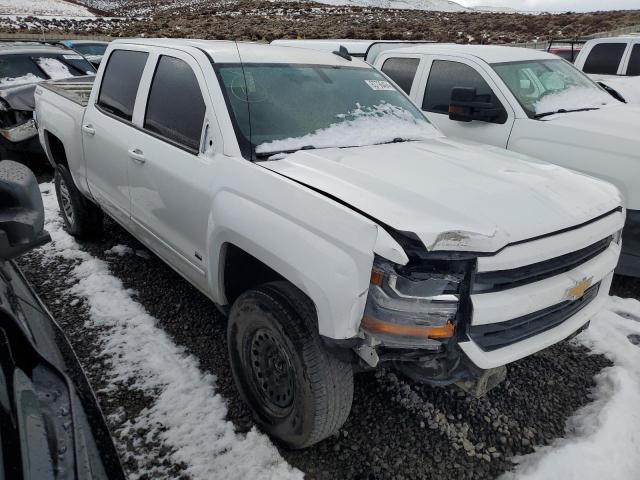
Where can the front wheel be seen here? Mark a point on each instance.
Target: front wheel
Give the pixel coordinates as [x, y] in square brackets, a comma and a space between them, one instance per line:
[299, 392]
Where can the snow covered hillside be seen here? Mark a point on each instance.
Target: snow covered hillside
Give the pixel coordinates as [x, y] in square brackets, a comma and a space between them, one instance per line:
[433, 5]
[43, 8]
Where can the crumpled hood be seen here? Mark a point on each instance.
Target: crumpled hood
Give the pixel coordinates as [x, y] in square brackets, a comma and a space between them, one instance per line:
[453, 195]
[20, 97]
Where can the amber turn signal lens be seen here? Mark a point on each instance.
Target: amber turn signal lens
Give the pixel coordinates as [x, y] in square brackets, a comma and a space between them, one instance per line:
[376, 277]
[377, 326]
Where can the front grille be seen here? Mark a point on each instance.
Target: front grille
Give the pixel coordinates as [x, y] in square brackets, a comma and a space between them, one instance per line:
[498, 335]
[486, 282]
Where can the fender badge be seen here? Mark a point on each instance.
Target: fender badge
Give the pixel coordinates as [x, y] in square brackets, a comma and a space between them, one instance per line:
[577, 291]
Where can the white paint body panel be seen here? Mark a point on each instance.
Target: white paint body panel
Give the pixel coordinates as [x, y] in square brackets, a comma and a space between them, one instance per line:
[319, 217]
[602, 143]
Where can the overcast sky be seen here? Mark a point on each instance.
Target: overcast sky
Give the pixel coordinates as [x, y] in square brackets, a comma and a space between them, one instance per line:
[558, 5]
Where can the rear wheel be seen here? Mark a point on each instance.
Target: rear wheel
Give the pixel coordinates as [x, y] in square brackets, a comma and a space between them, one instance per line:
[299, 392]
[82, 218]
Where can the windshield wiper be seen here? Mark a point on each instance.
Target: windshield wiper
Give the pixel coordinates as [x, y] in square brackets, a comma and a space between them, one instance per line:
[563, 110]
[276, 152]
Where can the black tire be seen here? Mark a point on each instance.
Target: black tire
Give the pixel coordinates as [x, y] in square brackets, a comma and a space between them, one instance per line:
[82, 218]
[321, 385]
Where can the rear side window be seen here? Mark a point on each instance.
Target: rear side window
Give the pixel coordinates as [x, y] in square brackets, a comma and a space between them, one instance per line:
[175, 109]
[444, 76]
[604, 58]
[634, 61]
[402, 71]
[121, 81]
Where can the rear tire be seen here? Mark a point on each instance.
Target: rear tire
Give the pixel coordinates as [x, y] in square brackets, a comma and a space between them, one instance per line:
[82, 218]
[299, 393]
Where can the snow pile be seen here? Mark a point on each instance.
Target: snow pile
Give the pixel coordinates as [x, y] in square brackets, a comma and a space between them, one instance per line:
[188, 416]
[120, 250]
[361, 126]
[42, 7]
[11, 82]
[603, 437]
[573, 98]
[54, 68]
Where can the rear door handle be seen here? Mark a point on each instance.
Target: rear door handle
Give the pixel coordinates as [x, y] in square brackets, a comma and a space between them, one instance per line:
[137, 155]
[88, 129]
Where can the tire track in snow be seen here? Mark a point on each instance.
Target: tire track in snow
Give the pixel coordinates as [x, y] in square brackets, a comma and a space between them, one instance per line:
[187, 415]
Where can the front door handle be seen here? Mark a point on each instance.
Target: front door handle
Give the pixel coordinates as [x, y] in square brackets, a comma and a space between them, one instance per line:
[137, 155]
[89, 130]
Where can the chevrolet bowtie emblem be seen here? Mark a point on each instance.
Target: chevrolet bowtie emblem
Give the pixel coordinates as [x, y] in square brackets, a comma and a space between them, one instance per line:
[577, 291]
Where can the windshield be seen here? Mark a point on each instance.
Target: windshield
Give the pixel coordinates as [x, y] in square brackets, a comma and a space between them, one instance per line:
[544, 86]
[22, 69]
[90, 48]
[284, 107]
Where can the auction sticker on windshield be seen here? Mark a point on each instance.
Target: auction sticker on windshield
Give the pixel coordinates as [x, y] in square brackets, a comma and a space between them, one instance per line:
[379, 85]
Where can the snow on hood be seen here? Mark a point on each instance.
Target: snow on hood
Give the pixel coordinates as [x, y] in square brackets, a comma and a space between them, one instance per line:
[454, 196]
[574, 98]
[628, 87]
[366, 126]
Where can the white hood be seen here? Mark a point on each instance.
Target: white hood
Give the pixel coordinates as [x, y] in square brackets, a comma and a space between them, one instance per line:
[453, 196]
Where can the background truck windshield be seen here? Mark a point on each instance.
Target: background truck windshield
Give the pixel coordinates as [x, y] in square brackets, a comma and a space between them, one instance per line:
[17, 69]
[543, 86]
[285, 107]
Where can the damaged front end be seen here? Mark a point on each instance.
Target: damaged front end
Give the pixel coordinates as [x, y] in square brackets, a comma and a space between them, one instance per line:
[16, 125]
[415, 316]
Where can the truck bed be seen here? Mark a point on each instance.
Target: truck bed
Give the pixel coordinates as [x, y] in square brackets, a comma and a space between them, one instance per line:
[77, 90]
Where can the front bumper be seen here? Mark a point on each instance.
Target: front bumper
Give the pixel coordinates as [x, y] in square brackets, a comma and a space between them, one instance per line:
[629, 264]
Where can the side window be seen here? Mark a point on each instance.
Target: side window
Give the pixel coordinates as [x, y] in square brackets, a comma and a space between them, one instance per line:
[444, 76]
[604, 58]
[634, 61]
[175, 108]
[120, 82]
[402, 71]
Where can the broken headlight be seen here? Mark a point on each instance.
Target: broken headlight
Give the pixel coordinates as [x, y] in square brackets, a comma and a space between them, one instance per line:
[412, 307]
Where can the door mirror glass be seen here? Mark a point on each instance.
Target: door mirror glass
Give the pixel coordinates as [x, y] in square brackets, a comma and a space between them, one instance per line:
[21, 211]
[466, 105]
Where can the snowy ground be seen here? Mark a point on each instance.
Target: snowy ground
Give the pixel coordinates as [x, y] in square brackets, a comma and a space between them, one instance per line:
[43, 8]
[187, 415]
[169, 398]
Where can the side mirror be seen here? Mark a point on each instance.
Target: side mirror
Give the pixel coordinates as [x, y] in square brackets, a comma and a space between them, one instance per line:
[21, 211]
[466, 106]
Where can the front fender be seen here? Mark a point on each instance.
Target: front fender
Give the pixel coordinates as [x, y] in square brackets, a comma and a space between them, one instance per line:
[324, 248]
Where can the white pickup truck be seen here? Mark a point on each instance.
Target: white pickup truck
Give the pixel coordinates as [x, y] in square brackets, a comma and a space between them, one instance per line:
[614, 63]
[314, 203]
[529, 102]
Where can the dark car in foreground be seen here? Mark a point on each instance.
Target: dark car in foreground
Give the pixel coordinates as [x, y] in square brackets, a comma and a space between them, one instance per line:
[50, 424]
[22, 67]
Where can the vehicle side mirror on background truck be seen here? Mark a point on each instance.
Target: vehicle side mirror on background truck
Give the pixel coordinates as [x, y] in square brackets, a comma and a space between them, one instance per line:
[21, 211]
[466, 105]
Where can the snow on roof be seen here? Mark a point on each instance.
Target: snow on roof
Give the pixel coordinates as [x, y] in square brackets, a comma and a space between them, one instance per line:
[487, 53]
[227, 51]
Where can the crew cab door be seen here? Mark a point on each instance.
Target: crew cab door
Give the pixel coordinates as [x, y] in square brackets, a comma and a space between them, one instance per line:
[107, 127]
[439, 76]
[170, 169]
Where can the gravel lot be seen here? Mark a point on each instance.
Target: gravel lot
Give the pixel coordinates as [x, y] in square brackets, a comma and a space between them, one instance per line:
[397, 429]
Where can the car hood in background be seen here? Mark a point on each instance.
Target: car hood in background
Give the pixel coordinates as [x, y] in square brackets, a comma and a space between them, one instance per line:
[453, 195]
